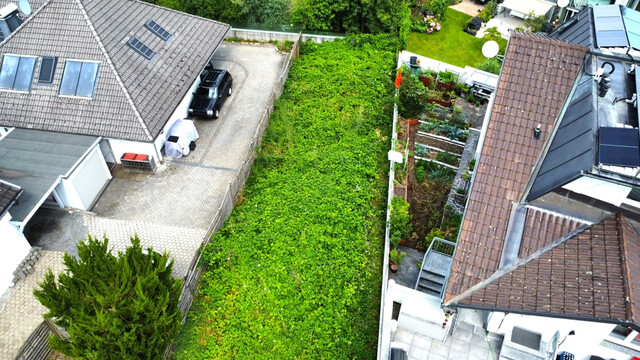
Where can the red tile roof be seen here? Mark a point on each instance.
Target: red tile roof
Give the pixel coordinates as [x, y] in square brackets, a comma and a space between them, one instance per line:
[542, 228]
[536, 78]
[587, 276]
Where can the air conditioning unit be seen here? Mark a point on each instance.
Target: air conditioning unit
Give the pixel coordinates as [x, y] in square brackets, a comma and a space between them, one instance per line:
[522, 343]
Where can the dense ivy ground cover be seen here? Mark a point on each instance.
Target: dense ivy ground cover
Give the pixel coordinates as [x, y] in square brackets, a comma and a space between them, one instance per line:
[296, 270]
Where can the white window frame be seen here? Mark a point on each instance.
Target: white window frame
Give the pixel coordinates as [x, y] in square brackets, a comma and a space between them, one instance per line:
[32, 73]
[95, 83]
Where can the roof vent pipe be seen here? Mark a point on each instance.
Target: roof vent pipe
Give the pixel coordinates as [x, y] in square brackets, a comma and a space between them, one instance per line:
[536, 132]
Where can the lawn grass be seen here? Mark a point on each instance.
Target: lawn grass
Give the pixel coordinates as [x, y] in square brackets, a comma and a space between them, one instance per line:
[451, 45]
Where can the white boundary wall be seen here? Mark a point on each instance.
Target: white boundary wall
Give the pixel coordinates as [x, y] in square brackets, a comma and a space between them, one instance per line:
[14, 248]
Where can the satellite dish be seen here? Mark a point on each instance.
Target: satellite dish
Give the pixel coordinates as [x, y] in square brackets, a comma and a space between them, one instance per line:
[25, 7]
[563, 3]
[490, 49]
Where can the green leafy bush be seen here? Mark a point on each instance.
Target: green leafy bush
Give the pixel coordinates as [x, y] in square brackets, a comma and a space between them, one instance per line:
[396, 257]
[122, 306]
[399, 221]
[421, 173]
[411, 95]
[535, 22]
[295, 271]
[492, 65]
[472, 164]
[446, 77]
[421, 149]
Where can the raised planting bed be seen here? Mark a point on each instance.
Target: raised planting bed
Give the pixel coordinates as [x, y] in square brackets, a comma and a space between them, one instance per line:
[445, 129]
[439, 156]
[440, 142]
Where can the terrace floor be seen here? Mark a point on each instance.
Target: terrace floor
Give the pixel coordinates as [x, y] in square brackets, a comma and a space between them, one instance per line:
[466, 342]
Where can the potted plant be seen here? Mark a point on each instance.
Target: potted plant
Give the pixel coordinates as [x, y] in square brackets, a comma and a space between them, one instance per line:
[445, 81]
[427, 78]
[395, 260]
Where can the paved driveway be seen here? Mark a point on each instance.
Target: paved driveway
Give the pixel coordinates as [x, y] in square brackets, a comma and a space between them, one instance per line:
[171, 210]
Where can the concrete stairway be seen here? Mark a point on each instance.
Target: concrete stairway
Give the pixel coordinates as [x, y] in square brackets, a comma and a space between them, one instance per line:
[433, 274]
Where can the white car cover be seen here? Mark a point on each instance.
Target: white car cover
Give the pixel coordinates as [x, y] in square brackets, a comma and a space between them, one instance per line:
[185, 132]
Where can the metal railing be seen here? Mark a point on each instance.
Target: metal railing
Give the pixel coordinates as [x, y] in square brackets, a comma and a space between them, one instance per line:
[441, 246]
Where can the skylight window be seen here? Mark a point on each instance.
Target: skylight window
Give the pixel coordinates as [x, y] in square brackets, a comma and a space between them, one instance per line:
[141, 48]
[79, 78]
[158, 30]
[17, 72]
[47, 68]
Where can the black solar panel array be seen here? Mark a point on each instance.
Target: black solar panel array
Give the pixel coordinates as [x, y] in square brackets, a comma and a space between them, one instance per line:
[158, 30]
[141, 48]
[610, 29]
[619, 146]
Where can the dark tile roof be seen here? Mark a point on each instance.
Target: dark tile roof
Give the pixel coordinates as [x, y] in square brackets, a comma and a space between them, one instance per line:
[536, 78]
[574, 144]
[134, 97]
[579, 30]
[587, 276]
[8, 194]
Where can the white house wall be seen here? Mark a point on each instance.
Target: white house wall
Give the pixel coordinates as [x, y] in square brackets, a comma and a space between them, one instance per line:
[86, 181]
[13, 248]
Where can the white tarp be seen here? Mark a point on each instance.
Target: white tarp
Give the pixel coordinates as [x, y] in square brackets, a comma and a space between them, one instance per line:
[186, 132]
[522, 8]
[598, 189]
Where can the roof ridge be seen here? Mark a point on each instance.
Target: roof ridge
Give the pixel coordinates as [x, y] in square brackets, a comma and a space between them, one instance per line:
[175, 11]
[542, 37]
[114, 70]
[558, 215]
[518, 263]
[38, 10]
[627, 286]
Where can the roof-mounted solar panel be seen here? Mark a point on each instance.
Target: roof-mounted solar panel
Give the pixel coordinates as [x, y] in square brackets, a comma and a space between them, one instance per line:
[141, 48]
[610, 29]
[619, 146]
[158, 30]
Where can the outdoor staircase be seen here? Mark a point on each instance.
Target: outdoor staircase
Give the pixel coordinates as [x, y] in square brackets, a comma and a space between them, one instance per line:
[436, 266]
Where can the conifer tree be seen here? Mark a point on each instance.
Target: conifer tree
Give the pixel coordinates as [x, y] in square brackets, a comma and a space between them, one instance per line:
[113, 307]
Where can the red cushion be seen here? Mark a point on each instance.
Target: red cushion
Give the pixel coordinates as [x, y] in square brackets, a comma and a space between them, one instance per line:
[142, 157]
[128, 156]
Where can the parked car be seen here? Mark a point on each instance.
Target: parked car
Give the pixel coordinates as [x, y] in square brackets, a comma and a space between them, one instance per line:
[215, 87]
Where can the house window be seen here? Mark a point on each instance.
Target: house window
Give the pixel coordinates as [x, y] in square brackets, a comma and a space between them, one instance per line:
[17, 72]
[47, 68]
[79, 78]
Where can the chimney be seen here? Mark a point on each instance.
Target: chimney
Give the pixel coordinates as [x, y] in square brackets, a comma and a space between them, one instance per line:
[536, 132]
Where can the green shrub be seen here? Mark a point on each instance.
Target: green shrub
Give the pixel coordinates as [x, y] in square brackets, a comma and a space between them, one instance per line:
[399, 221]
[535, 22]
[446, 77]
[432, 234]
[421, 150]
[421, 173]
[396, 257]
[411, 96]
[492, 65]
[451, 225]
[122, 306]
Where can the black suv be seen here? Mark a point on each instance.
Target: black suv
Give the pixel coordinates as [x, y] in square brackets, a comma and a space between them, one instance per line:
[215, 88]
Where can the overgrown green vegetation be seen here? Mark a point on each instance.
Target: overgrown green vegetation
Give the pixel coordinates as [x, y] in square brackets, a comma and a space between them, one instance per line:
[451, 45]
[295, 272]
[122, 306]
[399, 221]
[342, 16]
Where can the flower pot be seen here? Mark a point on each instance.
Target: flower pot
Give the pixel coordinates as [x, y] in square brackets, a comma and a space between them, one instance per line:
[393, 267]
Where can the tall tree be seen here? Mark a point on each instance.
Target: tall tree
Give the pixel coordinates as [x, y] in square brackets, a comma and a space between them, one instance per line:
[113, 307]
